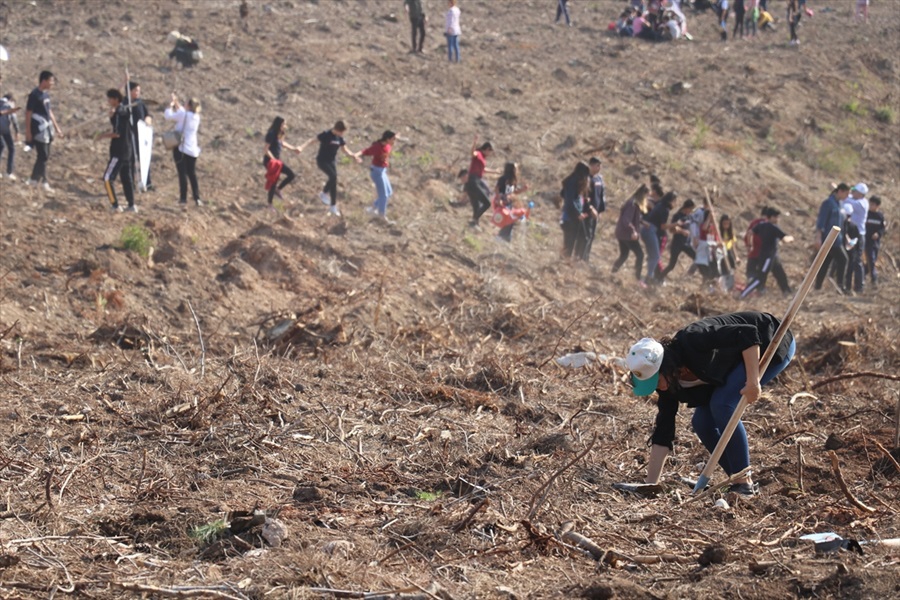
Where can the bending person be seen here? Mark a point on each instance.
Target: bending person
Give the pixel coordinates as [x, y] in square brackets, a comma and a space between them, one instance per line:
[708, 366]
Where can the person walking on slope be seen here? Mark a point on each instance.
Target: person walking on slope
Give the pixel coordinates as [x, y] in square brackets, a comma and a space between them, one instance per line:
[476, 188]
[681, 237]
[628, 229]
[793, 19]
[380, 151]
[121, 152]
[595, 203]
[708, 365]
[452, 31]
[274, 143]
[830, 216]
[417, 20]
[572, 220]
[139, 113]
[855, 277]
[330, 141]
[41, 128]
[187, 121]
[562, 10]
[769, 234]
[875, 228]
[9, 133]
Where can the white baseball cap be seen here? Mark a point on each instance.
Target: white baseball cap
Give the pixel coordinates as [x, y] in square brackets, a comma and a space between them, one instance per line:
[644, 360]
[861, 188]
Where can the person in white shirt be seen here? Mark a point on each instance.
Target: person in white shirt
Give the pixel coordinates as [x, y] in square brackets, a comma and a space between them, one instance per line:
[187, 121]
[855, 268]
[452, 31]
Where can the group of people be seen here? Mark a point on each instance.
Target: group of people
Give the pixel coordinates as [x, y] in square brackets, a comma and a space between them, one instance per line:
[664, 20]
[331, 141]
[126, 110]
[862, 226]
[415, 10]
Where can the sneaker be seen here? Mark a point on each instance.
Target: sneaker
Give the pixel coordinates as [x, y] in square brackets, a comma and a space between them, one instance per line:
[325, 198]
[31, 182]
[131, 208]
[641, 284]
[149, 188]
[182, 202]
[474, 225]
[46, 187]
[278, 194]
[198, 201]
[744, 489]
[12, 177]
[334, 211]
[117, 208]
[370, 210]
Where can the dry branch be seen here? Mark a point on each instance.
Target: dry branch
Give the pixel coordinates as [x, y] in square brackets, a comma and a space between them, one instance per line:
[836, 467]
[475, 510]
[888, 455]
[544, 489]
[844, 376]
[180, 592]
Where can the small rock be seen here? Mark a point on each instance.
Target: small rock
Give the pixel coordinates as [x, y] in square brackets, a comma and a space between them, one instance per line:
[274, 532]
[340, 547]
[307, 493]
[834, 442]
[713, 555]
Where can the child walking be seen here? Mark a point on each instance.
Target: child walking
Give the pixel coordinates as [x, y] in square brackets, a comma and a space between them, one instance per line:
[330, 141]
[380, 151]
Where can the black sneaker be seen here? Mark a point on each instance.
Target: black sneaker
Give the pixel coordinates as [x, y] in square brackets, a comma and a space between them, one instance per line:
[744, 489]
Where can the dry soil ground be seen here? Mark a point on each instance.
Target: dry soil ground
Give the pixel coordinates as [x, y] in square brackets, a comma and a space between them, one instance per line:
[403, 417]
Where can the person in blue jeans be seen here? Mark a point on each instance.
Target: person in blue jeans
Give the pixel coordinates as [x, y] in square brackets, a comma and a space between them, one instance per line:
[708, 365]
[562, 9]
[380, 151]
[452, 31]
[653, 229]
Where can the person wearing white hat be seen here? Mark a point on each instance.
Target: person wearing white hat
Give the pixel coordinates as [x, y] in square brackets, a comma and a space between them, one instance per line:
[855, 275]
[709, 365]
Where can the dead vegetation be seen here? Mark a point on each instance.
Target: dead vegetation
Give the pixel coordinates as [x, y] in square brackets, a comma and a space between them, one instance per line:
[287, 406]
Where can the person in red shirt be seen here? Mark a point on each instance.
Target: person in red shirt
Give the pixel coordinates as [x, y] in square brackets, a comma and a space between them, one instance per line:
[476, 188]
[754, 244]
[380, 151]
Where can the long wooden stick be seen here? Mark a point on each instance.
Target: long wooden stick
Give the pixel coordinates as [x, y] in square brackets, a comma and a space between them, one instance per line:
[792, 310]
[836, 469]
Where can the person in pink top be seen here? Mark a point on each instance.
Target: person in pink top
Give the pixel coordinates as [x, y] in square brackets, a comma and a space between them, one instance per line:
[380, 151]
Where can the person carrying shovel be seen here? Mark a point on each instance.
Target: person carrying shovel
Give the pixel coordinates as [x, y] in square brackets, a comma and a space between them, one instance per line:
[708, 366]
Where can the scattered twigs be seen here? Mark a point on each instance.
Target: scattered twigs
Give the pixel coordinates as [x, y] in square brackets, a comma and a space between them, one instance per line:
[47, 480]
[475, 510]
[202, 344]
[800, 468]
[559, 340]
[888, 455]
[541, 494]
[404, 594]
[566, 534]
[182, 591]
[836, 468]
[714, 488]
[856, 375]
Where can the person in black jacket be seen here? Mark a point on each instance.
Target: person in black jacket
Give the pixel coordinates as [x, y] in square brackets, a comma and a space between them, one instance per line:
[708, 365]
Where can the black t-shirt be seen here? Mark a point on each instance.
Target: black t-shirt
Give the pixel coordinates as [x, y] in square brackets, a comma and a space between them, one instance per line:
[39, 105]
[874, 224]
[120, 147]
[274, 143]
[329, 144]
[659, 216]
[597, 194]
[139, 111]
[769, 234]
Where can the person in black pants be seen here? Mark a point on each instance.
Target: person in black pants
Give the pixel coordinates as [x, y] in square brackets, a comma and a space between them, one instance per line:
[417, 19]
[329, 143]
[628, 231]
[769, 234]
[875, 227]
[121, 152]
[574, 190]
[273, 145]
[40, 125]
[476, 188]
[595, 203]
[681, 237]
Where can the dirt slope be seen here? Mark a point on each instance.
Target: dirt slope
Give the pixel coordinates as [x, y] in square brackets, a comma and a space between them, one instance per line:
[403, 424]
